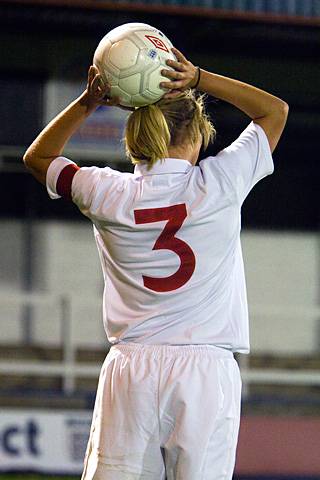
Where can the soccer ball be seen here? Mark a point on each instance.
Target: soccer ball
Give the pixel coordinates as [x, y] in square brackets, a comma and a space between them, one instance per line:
[130, 58]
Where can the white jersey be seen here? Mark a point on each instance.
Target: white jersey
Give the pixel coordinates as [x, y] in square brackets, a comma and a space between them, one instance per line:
[169, 243]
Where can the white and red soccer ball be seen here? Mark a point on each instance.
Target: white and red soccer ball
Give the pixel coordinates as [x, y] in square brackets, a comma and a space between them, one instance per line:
[130, 58]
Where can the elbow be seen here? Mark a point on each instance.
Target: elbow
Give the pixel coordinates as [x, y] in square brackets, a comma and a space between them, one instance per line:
[280, 114]
[283, 110]
[28, 159]
[31, 163]
[31, 160]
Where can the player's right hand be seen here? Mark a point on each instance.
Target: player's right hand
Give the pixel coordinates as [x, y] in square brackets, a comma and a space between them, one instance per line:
[183, 76]
[98, 90]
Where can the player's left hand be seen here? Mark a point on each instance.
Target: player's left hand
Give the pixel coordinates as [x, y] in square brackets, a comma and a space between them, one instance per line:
[183, 76]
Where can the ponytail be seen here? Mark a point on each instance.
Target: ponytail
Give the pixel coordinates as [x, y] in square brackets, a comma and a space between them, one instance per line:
[152, 129]
[147, 135]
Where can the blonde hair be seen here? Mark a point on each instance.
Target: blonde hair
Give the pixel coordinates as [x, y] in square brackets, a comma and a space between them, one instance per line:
[152, 129]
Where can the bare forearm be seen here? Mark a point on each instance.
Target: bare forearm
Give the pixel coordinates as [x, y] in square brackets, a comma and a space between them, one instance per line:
[51, 141]
[266, 110]
[254, 102]
[263, 108]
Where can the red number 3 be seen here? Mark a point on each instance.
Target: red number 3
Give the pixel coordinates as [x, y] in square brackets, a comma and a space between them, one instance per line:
[175, 214]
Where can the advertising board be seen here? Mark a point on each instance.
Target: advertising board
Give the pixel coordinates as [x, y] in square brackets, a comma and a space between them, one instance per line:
[43, 440]
[100, 136]
[54, 442]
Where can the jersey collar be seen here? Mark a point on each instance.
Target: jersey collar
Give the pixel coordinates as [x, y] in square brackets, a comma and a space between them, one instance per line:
[167, 165]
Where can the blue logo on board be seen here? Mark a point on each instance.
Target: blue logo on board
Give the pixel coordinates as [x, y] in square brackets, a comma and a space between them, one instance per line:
[16, 439]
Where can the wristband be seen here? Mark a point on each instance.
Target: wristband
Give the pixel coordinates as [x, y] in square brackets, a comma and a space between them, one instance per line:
[198, 80]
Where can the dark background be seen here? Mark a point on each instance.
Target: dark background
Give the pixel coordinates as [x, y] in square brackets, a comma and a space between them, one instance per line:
[40, 42]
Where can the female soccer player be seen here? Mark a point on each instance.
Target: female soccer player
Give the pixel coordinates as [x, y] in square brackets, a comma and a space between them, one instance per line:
[175, 307]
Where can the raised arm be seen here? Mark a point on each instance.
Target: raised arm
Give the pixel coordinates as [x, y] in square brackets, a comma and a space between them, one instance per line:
[50, 143]
[268, 111]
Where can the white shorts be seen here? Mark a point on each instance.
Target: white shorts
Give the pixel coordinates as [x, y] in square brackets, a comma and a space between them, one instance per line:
[165, 412]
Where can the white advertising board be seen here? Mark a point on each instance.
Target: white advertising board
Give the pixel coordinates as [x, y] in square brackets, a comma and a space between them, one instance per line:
[43, 440]
[99, 138]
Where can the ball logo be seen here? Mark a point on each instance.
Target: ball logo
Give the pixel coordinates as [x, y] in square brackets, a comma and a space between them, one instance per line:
[126, 58]
[152, 54]
[157, 42]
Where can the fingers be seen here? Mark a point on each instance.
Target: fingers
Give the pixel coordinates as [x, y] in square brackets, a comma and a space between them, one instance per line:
[180, 57]
[94, 68]
[176, 65]
[177, 79]
[95, 84]
[181, 75]
[173, 85]
[172, 74]
[172, 94]
[111, 102]
[114, 102]
[92, 72]
[97, 87]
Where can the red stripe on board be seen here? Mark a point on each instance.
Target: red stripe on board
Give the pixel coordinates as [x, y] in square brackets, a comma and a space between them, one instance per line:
[279, 446]
[183, 10]
[64, 181]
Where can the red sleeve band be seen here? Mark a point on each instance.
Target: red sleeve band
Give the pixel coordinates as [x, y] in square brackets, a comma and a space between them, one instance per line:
[64, 181]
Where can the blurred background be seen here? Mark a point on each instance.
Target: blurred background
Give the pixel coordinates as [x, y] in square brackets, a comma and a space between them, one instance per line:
[52, 341]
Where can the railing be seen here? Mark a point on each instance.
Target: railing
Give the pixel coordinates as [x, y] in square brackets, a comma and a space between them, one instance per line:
[68, 369]
[11, 157]
[248, 9]
[284, 7]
